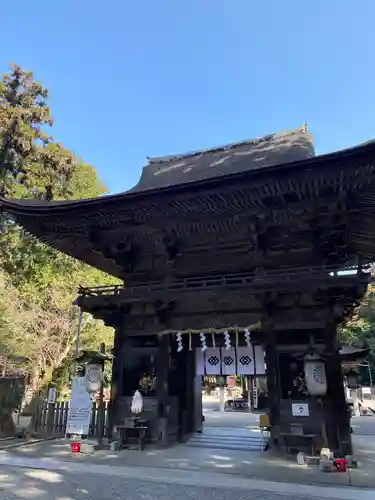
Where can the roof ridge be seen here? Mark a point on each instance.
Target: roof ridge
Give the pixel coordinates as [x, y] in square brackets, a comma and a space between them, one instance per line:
[216, 149]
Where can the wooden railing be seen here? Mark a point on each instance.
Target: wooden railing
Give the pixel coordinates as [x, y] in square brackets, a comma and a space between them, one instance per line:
[260, 276]
[51, 419]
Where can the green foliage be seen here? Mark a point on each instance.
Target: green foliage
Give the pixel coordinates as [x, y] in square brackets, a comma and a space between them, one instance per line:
[360, 332]
[38, 285]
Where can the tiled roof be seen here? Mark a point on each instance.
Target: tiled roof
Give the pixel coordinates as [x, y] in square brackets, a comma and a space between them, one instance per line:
[255, 154]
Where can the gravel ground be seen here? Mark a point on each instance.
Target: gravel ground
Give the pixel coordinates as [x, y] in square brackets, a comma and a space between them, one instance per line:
[18, 483]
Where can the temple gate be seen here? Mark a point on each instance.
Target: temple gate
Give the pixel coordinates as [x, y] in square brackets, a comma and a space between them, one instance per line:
[259, 236]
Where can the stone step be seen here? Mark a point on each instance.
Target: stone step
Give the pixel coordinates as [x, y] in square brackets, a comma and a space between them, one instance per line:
[226, 439]
[219, 431]
[253, 446]
[218, 446]
[231, 439]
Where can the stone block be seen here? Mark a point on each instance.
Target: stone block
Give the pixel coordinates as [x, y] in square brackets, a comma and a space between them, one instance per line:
[114, 446]
[352, 464]
[326, 465]
[301, 458]
[312, 460]
[88, 447]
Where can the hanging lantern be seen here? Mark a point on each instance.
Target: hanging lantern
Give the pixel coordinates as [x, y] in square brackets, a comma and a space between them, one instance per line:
[315, 375]
[93, 377]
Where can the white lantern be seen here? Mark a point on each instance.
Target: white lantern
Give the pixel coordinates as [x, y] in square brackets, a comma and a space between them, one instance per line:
[93, 377]
[137, 403]
[315, 375]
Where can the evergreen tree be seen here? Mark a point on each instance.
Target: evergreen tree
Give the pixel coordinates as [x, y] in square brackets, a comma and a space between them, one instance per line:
[31, 163]
[38, 284]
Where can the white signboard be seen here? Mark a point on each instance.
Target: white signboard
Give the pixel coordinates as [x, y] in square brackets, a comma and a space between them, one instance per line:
[78, 421]
[51, 395]
[80, 405]
[300, 410]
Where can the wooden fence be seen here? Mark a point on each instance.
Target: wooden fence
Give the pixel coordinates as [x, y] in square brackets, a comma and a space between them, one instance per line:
[51, 419]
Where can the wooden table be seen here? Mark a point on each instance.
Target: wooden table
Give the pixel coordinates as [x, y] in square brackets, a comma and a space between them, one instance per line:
[127, 431]
[289, 436]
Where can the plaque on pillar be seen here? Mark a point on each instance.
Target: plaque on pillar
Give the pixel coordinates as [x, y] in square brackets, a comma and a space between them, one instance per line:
[300, 410]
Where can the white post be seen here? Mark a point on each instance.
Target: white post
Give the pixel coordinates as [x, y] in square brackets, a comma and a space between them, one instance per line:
[355, 402]
[222, 398]
[250, 393]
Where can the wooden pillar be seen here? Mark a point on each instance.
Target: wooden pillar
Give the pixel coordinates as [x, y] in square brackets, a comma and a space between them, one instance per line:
[272, 376]
[187, 398]
[162, 389]
[250, 393]
[101, 409]
[116, 379]
[337, 419]
[197, 405]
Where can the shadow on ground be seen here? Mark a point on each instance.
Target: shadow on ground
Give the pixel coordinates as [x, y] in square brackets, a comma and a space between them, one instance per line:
[256, 465]
[247, 464]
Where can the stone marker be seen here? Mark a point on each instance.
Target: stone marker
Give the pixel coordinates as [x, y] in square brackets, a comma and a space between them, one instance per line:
[88, 447]
[326, 466]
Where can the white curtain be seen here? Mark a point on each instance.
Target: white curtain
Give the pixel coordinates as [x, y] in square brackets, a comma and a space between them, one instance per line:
[212, 361]
[228, 361]
[245, 361]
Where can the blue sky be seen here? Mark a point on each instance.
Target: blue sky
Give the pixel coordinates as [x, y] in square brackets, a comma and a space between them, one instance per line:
[131, 79]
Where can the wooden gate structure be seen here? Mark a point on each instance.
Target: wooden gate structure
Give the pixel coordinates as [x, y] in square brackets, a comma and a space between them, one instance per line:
[260, 235]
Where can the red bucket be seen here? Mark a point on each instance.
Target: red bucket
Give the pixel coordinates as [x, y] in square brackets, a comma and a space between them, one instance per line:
[341, 465]
[76, 447]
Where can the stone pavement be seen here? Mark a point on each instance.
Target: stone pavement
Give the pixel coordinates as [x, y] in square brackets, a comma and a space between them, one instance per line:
[79, 482]
[234, 463]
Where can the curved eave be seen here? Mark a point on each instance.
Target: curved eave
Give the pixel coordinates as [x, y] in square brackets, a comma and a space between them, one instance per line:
[40, 208]
[65, 225]
[349, 353]
[351, 356]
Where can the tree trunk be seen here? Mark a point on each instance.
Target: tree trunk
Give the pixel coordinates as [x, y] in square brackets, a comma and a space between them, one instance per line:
[33, 394]
[7, 427]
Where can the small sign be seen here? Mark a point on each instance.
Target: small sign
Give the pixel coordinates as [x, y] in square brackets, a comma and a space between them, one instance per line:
[51, 395]
[300, 410]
